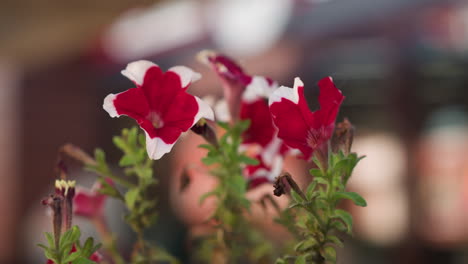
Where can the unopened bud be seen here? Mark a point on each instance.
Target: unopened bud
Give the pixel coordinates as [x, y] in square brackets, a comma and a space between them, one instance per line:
[283, 185]
[203, 129]
[55, 202]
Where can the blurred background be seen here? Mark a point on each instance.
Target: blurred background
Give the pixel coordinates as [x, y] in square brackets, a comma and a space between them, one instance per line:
[402, 65]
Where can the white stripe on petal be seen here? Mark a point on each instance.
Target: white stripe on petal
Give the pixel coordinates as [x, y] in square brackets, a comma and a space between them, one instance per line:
[287, 93]
[156, 147]
[136, 70]
[186, 75]
[258, 88]
[276, 168]
[222, 111]
[204, 110]
[271, 150]
[109, 105]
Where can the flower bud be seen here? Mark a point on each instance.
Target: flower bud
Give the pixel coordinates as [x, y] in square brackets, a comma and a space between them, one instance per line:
[343, 137]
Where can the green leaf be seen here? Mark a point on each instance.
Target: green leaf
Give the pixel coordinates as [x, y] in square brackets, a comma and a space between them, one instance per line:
[316, 173]
[100, 156]
[330, 254]
[43, 246]
[131, 197]
[249, 161]
[127, 160]
[296, 197]
[356, 198]
[346, 218]
[75, 233]
[310, 192]
[321, 181]
[215, 192]
[50, 239]
[305, 244]
[335, 240]
[300, 260]
[83, 260]
[210, 160]
[207, 146]
[109, 190]
[224, 125]
[280, 261]
[72, 257]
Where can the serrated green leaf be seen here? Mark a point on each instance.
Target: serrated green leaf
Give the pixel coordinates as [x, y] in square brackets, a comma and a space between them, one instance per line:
[248, 161]
[131, 197]
[356, 198]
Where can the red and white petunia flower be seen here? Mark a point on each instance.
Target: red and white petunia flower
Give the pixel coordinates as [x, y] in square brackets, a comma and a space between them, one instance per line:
[297, 126]
[159, 103]
[90, 203]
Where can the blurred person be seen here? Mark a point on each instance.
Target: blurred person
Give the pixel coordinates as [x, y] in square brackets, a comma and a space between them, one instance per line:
[442, 188]
[190, 179]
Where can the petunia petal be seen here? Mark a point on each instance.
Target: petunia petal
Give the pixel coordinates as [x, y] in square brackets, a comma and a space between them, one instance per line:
[204, 111]
[287, 93]
[156, 147]
[109, 105]
[330, 99]
[131, 103]
[136, 71]
[287, 109]
[261, 129]
[260, 87]
[186, 75]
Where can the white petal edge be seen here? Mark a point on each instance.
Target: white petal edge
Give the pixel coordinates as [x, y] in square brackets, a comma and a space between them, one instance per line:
[221, 111]
[109, 105]
[276, 168]
[186, 75]
[275, 171]
[204, 110]
[287, 93]
[271, 150]
[136, 70]
[156, 147]
[258, 88]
